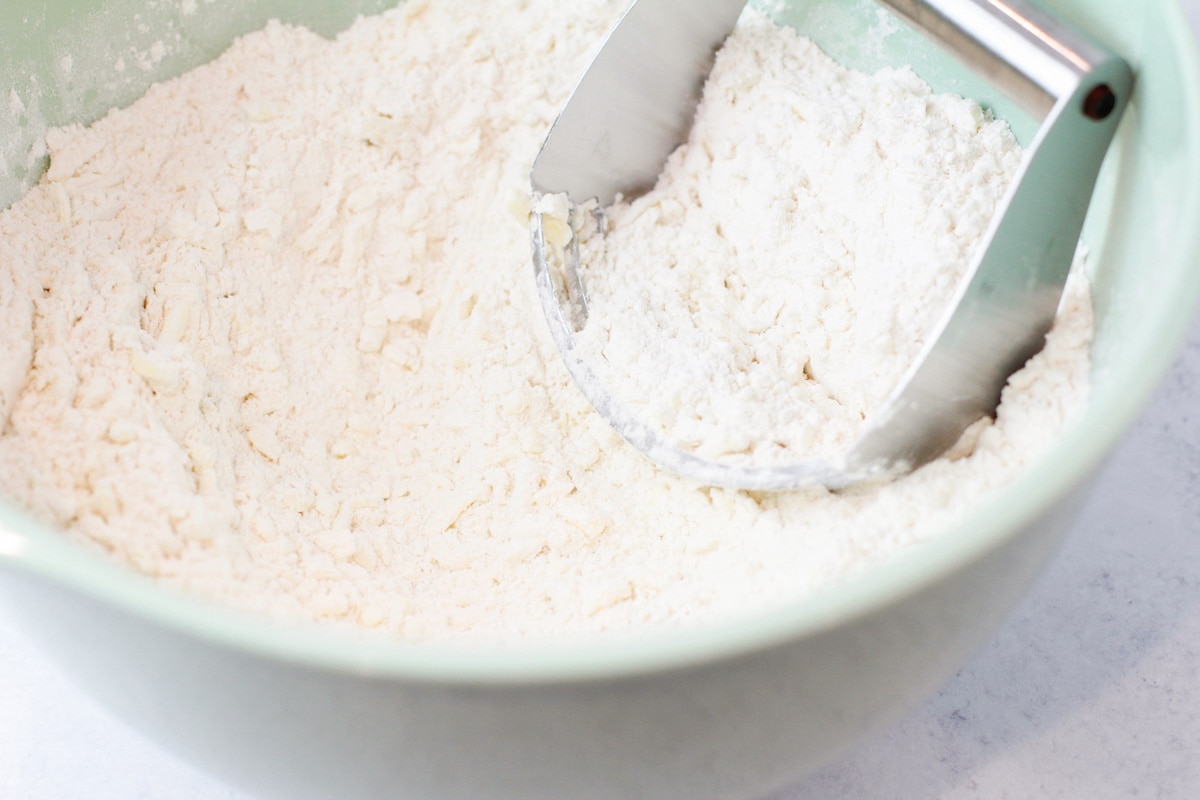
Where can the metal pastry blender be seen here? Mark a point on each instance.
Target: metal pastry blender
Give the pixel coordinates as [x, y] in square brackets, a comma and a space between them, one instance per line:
[635, 104]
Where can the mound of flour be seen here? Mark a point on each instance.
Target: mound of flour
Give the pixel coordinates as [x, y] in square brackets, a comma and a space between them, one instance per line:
[784, 273]
[271, 338]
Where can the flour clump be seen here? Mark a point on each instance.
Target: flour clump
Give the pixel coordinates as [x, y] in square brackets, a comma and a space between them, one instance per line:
[779, 280]
[275, 340]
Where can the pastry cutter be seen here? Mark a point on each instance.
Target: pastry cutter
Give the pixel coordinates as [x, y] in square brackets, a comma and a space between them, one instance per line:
[635, 104]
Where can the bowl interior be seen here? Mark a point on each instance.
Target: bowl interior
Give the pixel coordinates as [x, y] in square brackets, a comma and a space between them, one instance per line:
[1143, 232]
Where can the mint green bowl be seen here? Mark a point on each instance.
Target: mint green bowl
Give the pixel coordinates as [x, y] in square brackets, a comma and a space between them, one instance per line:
[727, 711]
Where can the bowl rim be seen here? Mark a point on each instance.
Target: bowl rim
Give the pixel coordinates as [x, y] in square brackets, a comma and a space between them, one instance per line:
[29, 548]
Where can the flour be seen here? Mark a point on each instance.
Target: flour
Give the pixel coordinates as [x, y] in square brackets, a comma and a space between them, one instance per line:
[271, 338]
[783, 275]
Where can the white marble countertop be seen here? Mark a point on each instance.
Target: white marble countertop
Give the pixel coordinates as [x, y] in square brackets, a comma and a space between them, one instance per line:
[1091, 691]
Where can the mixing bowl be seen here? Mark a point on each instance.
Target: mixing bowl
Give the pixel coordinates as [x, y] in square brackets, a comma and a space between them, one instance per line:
[728, 710]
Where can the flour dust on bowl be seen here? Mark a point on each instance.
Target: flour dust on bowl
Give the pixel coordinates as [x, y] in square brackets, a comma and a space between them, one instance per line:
[295, 482]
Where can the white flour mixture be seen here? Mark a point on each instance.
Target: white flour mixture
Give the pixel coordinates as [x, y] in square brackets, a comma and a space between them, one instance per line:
[271, 337]
[782, 276]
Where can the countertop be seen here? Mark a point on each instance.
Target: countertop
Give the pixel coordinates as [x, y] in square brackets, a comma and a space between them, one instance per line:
[1092, 690]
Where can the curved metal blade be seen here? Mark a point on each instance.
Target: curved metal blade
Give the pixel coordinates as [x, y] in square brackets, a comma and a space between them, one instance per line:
[635, 103]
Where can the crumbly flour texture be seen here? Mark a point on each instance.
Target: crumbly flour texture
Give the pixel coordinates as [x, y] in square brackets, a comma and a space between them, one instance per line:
[271, 336]
[780, 279]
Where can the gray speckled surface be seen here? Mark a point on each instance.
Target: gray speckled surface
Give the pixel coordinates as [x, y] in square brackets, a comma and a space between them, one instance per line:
[1091, 691]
